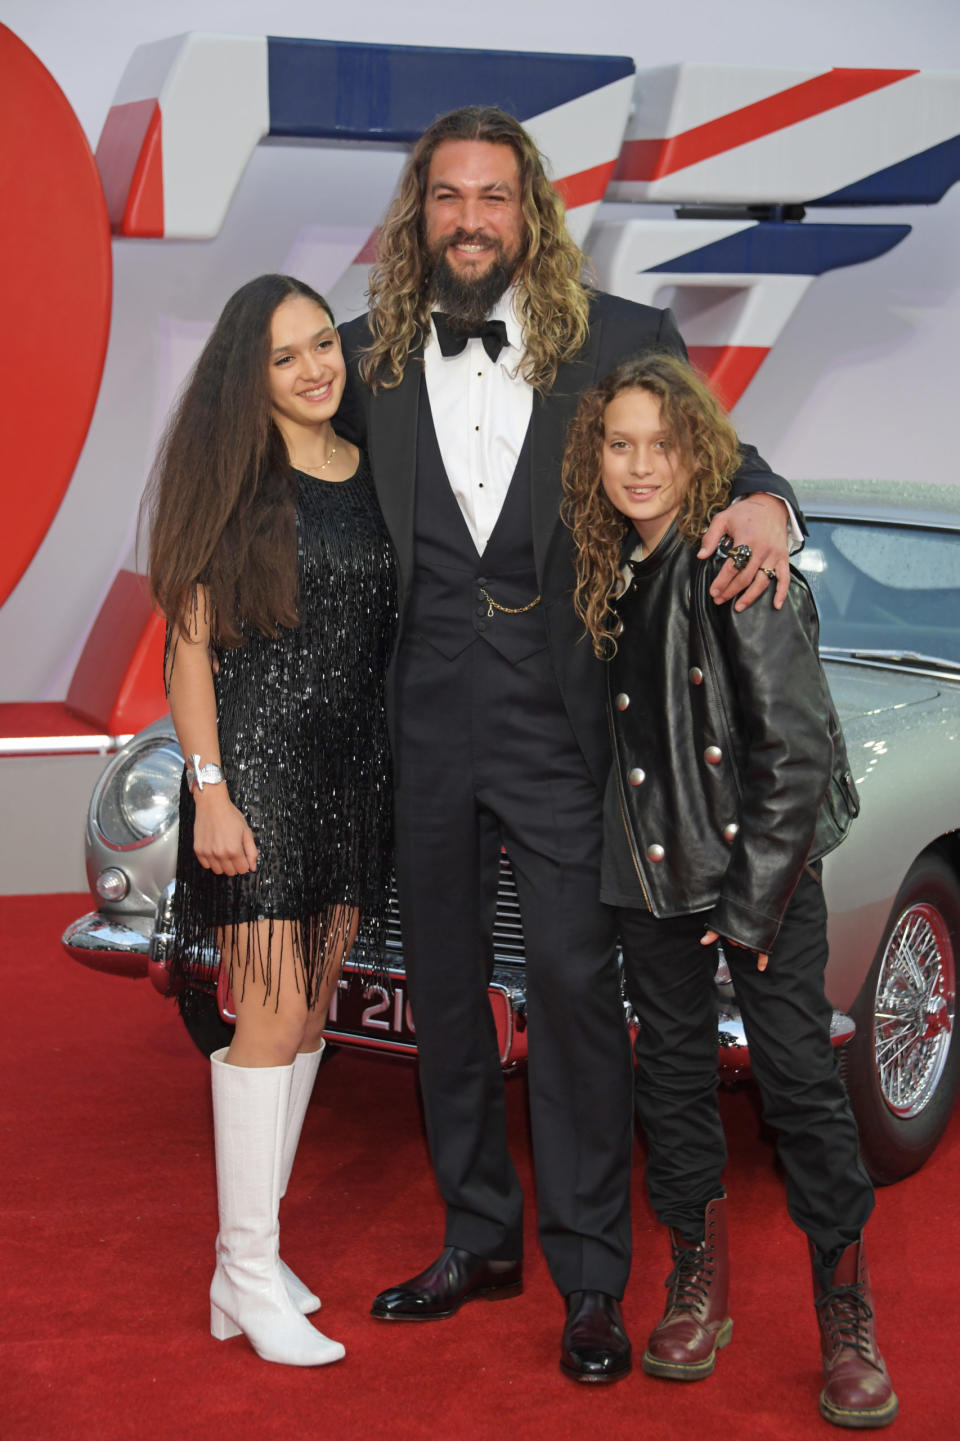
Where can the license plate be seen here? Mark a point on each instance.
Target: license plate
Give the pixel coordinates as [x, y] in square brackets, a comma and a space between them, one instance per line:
[379, 1016]
[376, 1014]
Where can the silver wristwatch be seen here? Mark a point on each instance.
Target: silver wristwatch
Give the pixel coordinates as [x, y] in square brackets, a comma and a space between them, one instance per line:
[200, 776]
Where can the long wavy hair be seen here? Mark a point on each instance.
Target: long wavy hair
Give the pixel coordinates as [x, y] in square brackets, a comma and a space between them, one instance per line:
[704, 444]
[219, 501]
[552, 299]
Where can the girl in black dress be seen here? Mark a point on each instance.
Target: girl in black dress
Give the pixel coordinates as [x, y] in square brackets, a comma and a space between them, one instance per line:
[268, 554]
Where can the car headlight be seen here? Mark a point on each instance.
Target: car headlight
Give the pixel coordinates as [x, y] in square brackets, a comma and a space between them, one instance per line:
[139, 797]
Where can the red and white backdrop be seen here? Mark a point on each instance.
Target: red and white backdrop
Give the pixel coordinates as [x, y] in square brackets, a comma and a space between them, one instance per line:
[233, 140]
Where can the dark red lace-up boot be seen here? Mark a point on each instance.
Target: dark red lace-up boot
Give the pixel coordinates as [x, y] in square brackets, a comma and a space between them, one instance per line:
[858, 1392]
[695, 1324]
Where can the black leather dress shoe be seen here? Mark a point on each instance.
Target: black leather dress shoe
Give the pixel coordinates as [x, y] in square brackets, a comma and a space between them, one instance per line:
[456, 1276]
[595, 1345]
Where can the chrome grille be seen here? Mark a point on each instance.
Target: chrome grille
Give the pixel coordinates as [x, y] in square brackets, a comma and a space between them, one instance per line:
[507, 928]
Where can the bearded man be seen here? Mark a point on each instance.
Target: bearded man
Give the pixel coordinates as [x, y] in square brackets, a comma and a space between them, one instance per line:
[461, 381]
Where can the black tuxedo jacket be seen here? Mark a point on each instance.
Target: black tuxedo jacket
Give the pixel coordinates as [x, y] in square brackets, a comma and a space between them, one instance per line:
[385, 424]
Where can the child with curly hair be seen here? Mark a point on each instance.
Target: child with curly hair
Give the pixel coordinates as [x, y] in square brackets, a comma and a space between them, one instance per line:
[729, 783]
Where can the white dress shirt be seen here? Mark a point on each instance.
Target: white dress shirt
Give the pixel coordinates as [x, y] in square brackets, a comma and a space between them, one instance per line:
[481, 411]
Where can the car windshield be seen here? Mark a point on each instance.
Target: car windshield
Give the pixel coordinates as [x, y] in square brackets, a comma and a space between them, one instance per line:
[885, 588]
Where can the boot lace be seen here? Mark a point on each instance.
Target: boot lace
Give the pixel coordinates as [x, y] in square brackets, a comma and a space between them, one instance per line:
[846, 1318]
[690, 1280]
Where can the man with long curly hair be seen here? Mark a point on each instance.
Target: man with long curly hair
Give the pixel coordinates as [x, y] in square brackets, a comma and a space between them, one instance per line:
[461, 382]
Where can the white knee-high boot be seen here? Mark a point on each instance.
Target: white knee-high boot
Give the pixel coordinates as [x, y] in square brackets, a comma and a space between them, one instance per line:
[305, 1067]
[247, 1293]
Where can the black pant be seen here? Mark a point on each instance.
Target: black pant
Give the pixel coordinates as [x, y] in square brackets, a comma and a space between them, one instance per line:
[485, 757]
[787, 1020]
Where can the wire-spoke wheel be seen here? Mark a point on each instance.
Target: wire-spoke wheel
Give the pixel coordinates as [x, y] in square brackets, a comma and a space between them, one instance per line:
[915, 1010]
[903, 1065]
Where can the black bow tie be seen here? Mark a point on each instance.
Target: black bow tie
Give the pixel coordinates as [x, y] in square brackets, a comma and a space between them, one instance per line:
[453, 341]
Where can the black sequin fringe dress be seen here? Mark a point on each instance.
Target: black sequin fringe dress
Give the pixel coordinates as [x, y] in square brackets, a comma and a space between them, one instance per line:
[304, 749]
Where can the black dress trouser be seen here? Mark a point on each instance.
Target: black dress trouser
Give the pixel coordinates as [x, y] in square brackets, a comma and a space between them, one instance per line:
[485, 757]
[787, 1020]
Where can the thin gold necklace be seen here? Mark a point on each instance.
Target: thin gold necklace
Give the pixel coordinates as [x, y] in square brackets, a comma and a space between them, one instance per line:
[318, 468]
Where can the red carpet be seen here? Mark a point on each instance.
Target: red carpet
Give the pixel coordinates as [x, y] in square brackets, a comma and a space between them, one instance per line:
[109, 1221]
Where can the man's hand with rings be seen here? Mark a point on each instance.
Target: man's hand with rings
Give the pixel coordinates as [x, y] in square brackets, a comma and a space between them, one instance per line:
[755, 532]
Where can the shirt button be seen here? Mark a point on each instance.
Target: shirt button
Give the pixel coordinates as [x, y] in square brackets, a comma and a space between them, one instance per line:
[481, 610]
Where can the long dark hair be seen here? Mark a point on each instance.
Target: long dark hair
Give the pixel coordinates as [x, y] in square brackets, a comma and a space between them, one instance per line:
[552, 301]
[219, 501]
[705, 442]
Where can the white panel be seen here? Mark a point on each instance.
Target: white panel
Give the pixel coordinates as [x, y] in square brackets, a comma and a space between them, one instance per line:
[147, 70]
[216, 110]
[584, 132]
[670, 99]
[770, 300]
[762, 305]
[716, 309]
[823, 154]
[629, 246]
[581, 134]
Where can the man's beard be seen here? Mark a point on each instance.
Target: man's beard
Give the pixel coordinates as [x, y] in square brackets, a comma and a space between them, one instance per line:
[467, 300]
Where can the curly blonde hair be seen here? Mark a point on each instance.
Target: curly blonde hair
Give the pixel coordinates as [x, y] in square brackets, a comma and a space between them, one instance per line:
[705, 444]
[553, 302]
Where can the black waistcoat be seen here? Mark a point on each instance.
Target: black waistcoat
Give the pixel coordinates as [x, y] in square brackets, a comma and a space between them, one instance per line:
[446, 604]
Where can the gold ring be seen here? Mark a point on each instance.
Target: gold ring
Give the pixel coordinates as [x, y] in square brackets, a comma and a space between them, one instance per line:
[771, 574]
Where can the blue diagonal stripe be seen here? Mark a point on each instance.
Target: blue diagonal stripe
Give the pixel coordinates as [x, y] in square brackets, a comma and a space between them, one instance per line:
[921, 180]
[788, 248]
[335, 90]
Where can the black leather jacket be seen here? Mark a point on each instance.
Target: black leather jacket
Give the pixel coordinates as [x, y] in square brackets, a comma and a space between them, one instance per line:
[730, 763]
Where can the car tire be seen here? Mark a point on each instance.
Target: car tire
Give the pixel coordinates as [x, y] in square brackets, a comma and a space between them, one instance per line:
[206, 1027]
[902, 1068]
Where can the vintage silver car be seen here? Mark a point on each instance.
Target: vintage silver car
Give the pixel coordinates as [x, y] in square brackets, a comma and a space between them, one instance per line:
[884, 562]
